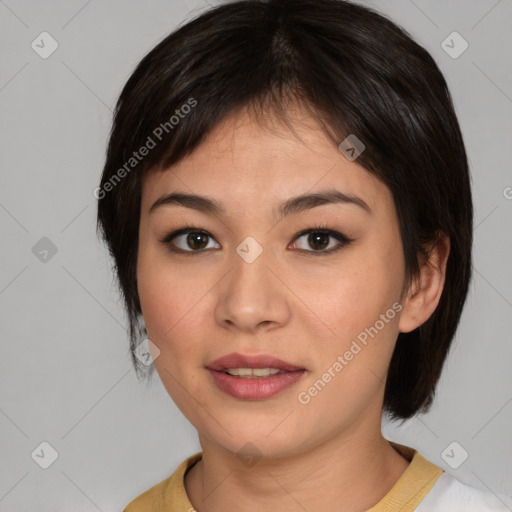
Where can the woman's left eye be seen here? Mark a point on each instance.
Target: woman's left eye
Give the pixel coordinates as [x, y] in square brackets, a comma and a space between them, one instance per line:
[318, 239]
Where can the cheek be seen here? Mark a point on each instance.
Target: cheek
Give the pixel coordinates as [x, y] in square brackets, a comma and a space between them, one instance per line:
[361, 308]
[357, 295]
[172, 303]
[352, 360]
[171, 307]
[158, 289]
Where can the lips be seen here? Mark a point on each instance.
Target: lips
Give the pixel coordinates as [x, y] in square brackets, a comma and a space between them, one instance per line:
[277, 375]
[236, 360]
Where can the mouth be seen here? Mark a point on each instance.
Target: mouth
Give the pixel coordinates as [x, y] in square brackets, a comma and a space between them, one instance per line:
[246, 365]
[253, 377]
[253, 373]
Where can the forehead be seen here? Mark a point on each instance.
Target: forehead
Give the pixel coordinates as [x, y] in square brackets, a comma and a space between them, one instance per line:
[244, 161]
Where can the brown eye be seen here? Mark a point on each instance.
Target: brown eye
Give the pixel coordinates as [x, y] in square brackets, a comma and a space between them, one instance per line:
[321, 241]
[189, 240]
[318, 240]
[196, 240]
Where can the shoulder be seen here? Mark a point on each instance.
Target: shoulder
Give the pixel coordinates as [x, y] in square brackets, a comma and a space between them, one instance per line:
[168, 495]
[449, 495]
[152, 499]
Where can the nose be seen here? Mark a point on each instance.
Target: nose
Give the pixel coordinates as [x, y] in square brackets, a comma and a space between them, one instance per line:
[252, 297]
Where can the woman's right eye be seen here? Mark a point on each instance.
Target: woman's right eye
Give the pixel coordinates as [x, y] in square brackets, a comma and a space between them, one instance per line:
[188, 240]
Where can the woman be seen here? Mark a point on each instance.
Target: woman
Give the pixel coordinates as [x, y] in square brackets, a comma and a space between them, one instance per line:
[287, 200]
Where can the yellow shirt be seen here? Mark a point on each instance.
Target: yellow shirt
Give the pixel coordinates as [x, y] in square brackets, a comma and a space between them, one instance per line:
[414, 484]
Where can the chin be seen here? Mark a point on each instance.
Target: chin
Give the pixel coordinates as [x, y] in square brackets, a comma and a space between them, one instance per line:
[248, 438]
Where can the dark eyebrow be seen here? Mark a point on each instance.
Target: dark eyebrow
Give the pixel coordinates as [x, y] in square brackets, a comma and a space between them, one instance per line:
[291, 206]
[308, 201]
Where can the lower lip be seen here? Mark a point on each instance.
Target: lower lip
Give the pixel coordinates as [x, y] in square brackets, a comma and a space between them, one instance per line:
[255, 389]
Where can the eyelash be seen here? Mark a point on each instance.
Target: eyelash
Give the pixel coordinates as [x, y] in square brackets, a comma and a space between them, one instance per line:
[323, 229]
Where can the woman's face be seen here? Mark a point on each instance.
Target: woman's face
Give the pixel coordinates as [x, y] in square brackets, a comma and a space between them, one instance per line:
[254, 286]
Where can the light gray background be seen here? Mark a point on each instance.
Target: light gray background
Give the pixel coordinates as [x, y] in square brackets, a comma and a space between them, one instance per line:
[65, 370]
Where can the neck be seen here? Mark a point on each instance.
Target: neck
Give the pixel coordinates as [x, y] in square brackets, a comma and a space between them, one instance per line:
[350, 473]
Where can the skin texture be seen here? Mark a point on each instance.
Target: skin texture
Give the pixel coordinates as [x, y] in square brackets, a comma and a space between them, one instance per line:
[297, 305]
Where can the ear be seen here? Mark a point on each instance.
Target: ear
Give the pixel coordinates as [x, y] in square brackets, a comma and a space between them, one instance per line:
[424, 293]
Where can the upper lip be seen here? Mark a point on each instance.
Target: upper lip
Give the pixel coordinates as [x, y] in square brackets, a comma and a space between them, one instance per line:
[236, 360]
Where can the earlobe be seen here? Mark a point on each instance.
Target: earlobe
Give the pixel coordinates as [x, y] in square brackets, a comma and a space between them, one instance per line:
[425, 291]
